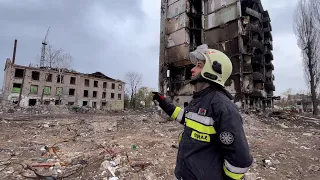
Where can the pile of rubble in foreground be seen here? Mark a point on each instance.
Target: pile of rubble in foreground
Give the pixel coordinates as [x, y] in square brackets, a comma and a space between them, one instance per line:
[143, 146]
[13, 109]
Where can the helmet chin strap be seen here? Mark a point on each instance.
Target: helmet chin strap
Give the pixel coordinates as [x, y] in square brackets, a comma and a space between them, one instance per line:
[197, 79]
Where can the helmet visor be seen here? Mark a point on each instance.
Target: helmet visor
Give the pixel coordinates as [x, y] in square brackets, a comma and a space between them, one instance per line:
[198, 54]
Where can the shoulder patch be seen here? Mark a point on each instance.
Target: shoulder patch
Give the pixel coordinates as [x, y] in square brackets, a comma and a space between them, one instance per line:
[226, 137]
[202, 111]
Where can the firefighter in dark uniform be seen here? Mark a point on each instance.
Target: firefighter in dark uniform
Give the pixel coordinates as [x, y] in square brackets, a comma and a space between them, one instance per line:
[213, 144]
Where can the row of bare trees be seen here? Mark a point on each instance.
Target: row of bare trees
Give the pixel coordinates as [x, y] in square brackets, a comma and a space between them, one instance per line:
[307, 31]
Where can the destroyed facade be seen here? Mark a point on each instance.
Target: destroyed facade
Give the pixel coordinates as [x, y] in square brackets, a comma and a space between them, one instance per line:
[29, 86]
[241, 29]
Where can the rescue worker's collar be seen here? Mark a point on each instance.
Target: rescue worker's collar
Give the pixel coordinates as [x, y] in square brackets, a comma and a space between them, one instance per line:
[202, 92]
[212, 87]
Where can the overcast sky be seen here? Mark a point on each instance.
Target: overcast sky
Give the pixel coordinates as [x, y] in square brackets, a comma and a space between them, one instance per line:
[117, 36]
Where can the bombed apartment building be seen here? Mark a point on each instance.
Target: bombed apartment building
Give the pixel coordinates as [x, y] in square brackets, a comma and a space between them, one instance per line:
[29, 86]
[241, 29]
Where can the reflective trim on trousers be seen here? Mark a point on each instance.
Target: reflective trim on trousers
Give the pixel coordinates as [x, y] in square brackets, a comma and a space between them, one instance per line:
[235, 169]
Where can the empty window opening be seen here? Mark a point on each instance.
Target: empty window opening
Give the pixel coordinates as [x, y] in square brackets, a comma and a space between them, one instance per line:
[103, 104]
[94, 104]
[34, 89]
[86, 82]
[35, 75]
[57, 102]
[47, 90]
[19, 73]
[46, 102]
[32, 102]
[112, 95]
[72, 80]
[113, 86]
[104, 95]
[59, 91]
[49, 77]
[16, 88]
[119, 87]
[119, 96]
[104, 85]
[60, 79]
[70, 103]
[85, 93]
[94, 94]
[84, 103]
[95, 83]
[71, 92]
[195, 24]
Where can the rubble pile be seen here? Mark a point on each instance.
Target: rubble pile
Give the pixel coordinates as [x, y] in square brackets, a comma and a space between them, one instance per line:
[143, 145]
[13, 109]
[34, 110]
[283, 145]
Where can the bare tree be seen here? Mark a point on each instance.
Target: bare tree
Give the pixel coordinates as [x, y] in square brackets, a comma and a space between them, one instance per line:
[308, 41]
[315, 4]
[144, 95]
[58, 60]
[133, 79]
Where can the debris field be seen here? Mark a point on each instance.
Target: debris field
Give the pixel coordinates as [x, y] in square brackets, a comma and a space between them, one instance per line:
[64, 144]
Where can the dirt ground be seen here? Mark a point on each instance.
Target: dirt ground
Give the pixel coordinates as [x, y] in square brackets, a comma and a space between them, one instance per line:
[141, 145]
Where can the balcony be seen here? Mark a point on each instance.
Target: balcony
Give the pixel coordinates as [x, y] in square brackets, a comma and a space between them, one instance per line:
[269, 94]
[258, 60]
[269, 56]
[269, 66]
[269, 74]
[268, 43]
[259, 93]
[257, 44]
[258, 77]
[269, 86]
[254, 13]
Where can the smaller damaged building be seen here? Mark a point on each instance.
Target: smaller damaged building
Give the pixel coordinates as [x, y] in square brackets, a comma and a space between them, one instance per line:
[301, 102]
[29, 86]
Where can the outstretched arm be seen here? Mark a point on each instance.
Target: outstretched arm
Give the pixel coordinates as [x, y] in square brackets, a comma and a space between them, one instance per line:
[175, 112]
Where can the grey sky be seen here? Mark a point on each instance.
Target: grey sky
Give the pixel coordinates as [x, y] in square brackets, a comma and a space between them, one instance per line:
[116, 36]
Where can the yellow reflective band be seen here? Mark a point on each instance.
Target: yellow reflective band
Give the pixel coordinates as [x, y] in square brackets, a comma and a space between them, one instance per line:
[175, 113]
[200, 127]
[200, 137]
[232, 175]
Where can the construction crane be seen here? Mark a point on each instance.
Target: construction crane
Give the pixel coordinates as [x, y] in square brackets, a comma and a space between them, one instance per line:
[43, 50]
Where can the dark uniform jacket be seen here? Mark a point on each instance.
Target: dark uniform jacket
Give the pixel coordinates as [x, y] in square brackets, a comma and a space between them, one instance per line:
[213, 144]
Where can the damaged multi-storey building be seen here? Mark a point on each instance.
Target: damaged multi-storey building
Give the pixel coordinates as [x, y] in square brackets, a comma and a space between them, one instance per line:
[29, 86]
[241, 29]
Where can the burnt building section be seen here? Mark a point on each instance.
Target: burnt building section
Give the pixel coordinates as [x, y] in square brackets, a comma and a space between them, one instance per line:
[30, 86]
[269, 85]
[240, 29]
